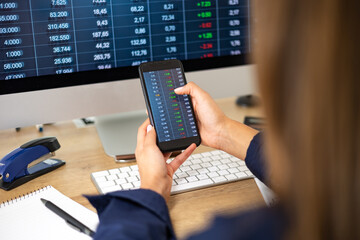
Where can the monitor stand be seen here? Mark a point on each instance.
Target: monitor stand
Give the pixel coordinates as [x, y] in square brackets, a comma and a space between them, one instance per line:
[118, 133]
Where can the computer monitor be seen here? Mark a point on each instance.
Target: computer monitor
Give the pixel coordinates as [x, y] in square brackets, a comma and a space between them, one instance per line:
[65, 59]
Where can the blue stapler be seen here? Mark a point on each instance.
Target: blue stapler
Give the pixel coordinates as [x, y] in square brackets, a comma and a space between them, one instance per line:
[29, 161]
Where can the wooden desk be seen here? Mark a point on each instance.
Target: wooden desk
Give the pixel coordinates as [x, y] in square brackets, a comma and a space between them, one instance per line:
[83, 153]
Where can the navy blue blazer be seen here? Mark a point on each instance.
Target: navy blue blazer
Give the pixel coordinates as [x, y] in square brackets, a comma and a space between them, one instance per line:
[143, 214]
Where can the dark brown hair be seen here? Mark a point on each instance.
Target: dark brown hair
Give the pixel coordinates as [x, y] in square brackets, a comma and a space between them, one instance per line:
[309, 72]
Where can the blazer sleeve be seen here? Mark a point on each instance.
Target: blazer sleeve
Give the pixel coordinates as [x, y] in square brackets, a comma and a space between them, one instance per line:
[133, 214]
[255, 159]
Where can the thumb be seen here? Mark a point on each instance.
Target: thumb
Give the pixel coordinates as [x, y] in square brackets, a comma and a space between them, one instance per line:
[187, 89]
[150, 135]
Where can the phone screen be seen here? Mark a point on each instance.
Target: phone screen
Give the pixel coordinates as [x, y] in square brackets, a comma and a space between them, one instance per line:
[172, 113]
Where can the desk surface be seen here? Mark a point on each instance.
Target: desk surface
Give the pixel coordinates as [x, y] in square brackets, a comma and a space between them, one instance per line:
[83, 153]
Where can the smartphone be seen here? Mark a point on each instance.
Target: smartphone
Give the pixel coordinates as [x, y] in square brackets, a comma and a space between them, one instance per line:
[170, 114]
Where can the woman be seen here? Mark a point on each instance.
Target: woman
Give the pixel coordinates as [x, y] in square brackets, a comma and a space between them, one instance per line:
[307, 58]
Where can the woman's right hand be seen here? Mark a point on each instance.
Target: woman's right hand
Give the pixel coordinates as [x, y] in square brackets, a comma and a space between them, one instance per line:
[217, 130]
[211, 120]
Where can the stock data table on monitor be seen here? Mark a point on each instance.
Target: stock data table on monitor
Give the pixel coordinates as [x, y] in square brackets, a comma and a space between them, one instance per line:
[65, 36]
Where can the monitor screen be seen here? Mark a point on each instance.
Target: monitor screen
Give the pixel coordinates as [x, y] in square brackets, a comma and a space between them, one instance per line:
[58, 43]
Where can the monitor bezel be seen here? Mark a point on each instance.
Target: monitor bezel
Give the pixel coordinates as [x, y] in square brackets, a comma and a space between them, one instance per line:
[116, 74]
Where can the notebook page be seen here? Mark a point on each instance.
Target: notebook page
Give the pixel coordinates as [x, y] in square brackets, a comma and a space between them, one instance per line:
[28, 218]
[268, 195]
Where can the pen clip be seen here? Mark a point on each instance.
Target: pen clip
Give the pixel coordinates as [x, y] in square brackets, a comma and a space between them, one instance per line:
[85, 230]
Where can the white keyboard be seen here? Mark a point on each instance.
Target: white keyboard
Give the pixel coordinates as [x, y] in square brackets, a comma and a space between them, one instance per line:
[198, 171]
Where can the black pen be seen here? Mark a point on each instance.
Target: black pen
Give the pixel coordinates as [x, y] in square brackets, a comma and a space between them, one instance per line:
[68, 218]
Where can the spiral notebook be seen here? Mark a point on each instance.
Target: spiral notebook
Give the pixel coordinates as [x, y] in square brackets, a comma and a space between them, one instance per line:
[26, 217]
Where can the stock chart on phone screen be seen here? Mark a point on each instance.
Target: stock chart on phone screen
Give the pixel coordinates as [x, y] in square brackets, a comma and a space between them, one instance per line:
[65, 36]
[172, 113]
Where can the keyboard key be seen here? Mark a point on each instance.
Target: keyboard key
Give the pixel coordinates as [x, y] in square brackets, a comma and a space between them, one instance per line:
[233, 170]
[106, 184]
[192, 173]
[203, 170]
[243, 168]
[249, 173]
[195, 166]
[223, 172]
[100, 174]
[225, 155]
[226, 160]
[223, 166]
[206, 165]
[132, 179]
[196, 161]
[181, 175]
[206, 154]
[206, 159]
[190, 161]
[231, 177]
[134, 168]
[111, 189]
[215, 163]
[192, 185]
[126, 186]
[195, 156]
[100, 179]
[181, 181]
[187, 163]
[213, 169]
[136, 184]
[216, 152]
[111, 177]
[202, 176]
[123, 175]
[219, 179]
[191, 179]
[134, 174]
[215, 158]
[185, 168]
[120, 181]
[234, 159]
[241, 175]
[233, 165]
[213, 174]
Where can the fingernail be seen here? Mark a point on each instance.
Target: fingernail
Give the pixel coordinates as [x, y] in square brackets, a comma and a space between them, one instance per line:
[149, 127]
[178, 89]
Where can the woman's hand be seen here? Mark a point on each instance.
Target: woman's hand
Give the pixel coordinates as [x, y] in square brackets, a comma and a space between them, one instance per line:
[217, 130]
[155, 173]
[211, 120]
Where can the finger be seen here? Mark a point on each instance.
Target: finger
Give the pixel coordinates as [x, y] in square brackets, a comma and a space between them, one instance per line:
[180, 159]
[150, 138]
[187, 89]
[142, 132]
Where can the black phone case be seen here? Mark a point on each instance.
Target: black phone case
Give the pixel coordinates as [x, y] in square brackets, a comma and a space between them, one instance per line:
[178, 144]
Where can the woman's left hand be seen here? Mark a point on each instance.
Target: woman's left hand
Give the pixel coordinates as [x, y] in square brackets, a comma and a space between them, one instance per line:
[155, 173]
